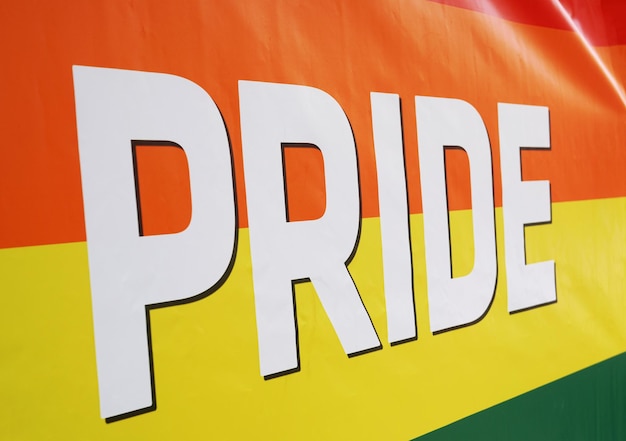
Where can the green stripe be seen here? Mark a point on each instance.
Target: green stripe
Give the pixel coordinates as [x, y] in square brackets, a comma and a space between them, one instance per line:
[587, 405]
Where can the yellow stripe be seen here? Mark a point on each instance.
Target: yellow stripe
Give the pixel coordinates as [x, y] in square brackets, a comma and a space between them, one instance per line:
[205, 353]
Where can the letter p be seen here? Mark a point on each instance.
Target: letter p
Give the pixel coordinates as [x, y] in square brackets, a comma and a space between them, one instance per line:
[128, 271]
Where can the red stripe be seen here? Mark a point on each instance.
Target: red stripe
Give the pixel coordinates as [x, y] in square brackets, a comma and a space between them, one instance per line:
[601, 21]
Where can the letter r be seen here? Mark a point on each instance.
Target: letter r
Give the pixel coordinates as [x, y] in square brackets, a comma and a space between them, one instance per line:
[318, 250]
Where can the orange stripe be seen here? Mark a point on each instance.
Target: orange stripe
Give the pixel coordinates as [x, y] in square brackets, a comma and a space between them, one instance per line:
[410, 48]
